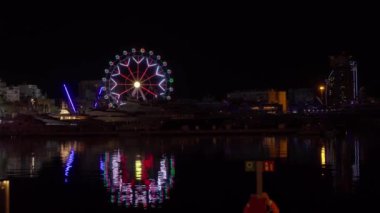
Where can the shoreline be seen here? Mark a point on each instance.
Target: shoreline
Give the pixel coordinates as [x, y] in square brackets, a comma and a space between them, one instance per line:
[166, 133]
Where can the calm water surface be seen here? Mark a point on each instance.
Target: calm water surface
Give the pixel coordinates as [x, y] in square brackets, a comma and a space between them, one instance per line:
[188, 174]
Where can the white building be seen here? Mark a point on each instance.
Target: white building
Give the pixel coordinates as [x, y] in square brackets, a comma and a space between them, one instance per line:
[29, 90]
[12, 94]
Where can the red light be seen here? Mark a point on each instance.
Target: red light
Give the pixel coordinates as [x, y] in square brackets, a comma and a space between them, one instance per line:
[269, 166]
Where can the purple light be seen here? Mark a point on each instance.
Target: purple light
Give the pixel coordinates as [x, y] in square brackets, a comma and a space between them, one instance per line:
[162, 81]
[118, 71]
[150, 65]
[158, 74]
[113, 87]
[69, 164]
[101, 165]
[137, 192]
[117, 94]
[68, 95]
[138, 61]
[126, 65]
[97, 98]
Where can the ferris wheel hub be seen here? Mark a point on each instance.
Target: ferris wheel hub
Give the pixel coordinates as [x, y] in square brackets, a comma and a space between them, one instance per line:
[137, 84]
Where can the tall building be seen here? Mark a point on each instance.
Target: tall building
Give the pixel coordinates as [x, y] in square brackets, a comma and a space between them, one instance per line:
[278, 97]
[342, 83]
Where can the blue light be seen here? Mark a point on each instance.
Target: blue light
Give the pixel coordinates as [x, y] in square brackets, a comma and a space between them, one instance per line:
[71, 102]
[69, 164]
[101, 165]
[100, 90]
[97, 98]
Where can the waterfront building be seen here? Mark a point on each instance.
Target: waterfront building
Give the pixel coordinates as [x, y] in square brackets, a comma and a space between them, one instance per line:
[342, 82]
[300, 99]
[29, 91]
[12, 94]
[269, 101]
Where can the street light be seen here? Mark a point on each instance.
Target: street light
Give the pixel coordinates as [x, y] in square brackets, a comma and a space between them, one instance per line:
[322, 89]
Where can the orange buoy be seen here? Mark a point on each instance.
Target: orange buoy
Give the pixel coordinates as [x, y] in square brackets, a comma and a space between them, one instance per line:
[261, 204]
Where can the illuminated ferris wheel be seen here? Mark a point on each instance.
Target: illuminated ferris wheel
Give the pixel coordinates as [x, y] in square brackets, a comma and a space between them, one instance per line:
[137, 75]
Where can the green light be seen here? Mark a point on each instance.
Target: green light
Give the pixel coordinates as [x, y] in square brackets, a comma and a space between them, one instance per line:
[171, 80]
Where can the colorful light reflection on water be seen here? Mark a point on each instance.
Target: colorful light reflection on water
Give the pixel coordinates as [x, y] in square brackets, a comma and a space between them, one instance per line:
[140, 181]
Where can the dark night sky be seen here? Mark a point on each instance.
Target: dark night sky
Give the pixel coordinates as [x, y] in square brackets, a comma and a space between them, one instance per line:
[211, 51]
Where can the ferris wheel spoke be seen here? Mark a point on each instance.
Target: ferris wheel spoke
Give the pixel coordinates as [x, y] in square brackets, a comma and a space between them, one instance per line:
[115, 84]
[116, 94]
[129, 68]
[130, 71]
[126, 77]
[148, 63]
[127, 90]
[117, 73]
[142, 76]
[160, 84]
[148, 91]
[134, 92]
[142, 95]
[138, 69]
[158, 72]
[148, 78]
[126, 65]
[139, 60]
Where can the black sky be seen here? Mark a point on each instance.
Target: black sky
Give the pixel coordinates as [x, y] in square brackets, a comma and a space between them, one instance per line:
[211, 51]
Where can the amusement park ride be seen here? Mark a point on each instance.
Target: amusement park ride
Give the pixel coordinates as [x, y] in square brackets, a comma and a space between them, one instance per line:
[133, 79]
[135, 76]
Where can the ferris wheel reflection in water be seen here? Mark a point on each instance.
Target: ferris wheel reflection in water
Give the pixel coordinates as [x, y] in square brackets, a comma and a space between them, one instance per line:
[137, 181]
